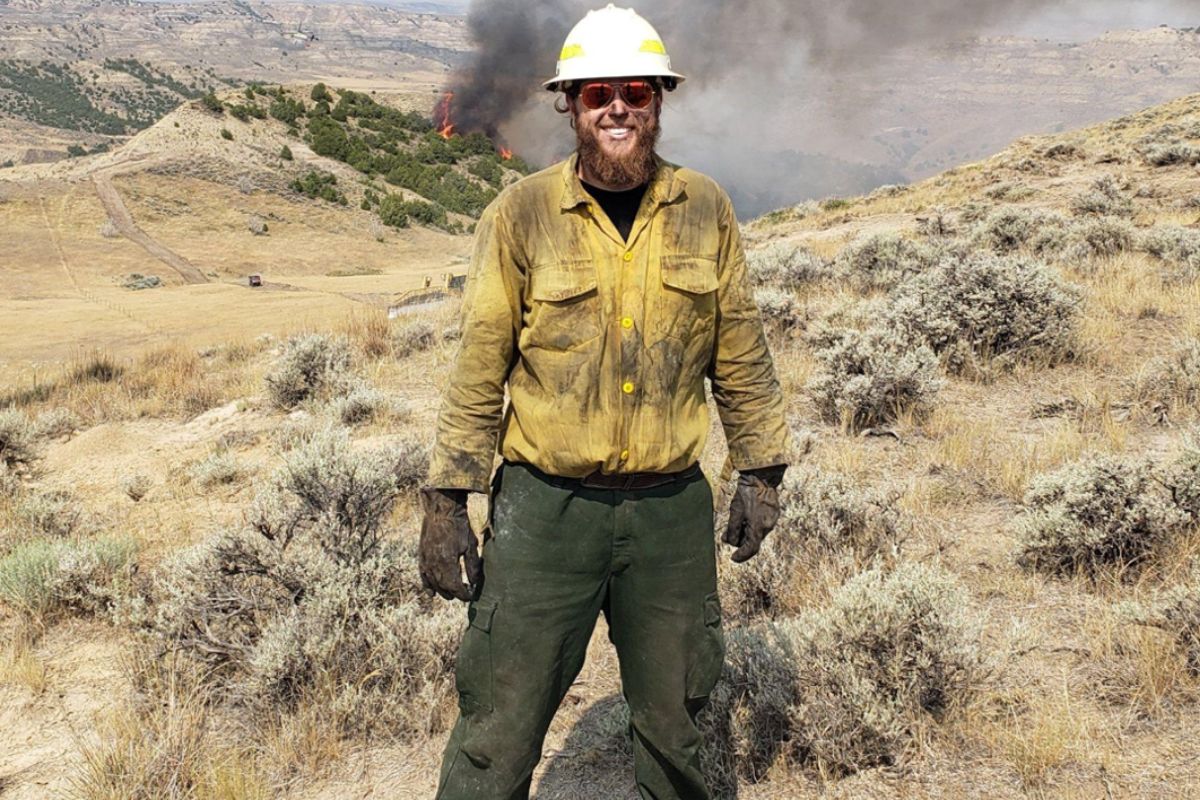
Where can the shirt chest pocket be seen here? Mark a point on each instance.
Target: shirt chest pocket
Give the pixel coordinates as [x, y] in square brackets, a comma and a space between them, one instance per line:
[687, 298]
[564, 306]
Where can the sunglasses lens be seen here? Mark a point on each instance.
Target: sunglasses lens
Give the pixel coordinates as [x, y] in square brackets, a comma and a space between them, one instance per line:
[638, 93]
[596, 95]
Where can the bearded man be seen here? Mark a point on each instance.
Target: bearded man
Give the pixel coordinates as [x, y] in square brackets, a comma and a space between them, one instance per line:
[602, 292]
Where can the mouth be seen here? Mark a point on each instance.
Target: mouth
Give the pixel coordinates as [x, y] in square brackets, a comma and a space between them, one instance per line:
[618, 134]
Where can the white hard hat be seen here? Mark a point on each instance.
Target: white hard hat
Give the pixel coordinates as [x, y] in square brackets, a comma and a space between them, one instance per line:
[612, 42]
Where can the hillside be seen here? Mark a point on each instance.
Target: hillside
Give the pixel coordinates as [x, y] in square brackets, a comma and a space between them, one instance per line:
[982, 585]
[201, 212]
[105, 70]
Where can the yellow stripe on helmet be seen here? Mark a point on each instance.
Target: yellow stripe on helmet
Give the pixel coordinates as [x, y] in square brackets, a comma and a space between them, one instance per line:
[653, 46]
[570, 51]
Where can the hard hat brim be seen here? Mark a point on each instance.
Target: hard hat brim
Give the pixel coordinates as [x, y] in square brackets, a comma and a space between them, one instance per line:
[554, 83]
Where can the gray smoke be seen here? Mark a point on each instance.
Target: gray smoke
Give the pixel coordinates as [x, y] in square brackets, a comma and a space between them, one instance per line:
[753, 68]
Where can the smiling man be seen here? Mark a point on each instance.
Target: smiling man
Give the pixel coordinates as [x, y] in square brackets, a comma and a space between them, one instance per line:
[603, 291]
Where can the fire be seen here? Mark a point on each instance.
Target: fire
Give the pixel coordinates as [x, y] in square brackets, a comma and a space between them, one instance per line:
[441, 116]
[505, 153]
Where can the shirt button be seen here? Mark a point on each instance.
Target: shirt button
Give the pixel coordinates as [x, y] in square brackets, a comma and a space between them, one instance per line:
[624, 455]
[627, 388]
[628, 257]
[627, 323]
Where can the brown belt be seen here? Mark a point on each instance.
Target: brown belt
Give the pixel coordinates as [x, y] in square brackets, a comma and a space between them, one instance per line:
[623, 481]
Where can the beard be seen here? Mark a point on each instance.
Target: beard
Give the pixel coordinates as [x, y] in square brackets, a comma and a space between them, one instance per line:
[634, 168]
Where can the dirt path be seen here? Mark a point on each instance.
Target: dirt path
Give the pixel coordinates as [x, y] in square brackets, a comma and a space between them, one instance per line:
[92, 297]
[124, 223]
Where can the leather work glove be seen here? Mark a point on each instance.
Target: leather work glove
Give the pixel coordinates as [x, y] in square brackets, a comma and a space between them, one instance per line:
[754, 510]
[446, 537]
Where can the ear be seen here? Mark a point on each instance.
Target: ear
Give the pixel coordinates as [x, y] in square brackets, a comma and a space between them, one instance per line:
[572, 109]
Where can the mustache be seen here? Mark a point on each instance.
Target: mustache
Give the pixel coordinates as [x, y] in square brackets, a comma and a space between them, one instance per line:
[635, 167]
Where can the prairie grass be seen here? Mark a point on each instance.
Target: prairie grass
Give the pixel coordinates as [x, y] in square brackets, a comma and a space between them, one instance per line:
[369, 332]
[1003, 461]
[20, 665]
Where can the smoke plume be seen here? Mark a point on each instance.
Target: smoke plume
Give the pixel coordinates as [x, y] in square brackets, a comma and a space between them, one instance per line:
[756, 69]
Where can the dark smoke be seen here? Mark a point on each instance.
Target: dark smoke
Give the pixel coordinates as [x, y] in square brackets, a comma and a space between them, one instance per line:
[749, 65]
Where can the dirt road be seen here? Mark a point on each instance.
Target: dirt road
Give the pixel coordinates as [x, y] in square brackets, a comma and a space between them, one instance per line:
[124, 223]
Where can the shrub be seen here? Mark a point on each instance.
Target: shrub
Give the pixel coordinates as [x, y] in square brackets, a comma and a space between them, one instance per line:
[870, 377]
[56, 423]
[137, 281]
[311, 365]
[361, 404]
[785, 265]
[415, 337]
[1104, 198]
[1165, 155]
[315, 184]
[826, 523]
[1173, 381]
[779, 308]
[1177, 612]
[285, 153]
[257, 225]
[109, 230]
[1182, 480]
[1179, 247]
[882, 260]
[1007, 229]
[218, 468]
[986, 311]
[750, 719]
[937, 224]
[44, 577]
[1104, 512]
[56, 514]
[226, 134]
[137, 486]
[411, 463]
[16, 439]
[309, 599]
[1099, 238]
[210, 102]
[891, 649]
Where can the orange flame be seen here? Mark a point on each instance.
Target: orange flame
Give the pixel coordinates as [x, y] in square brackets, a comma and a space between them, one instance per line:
[505, 153]
[441, 116]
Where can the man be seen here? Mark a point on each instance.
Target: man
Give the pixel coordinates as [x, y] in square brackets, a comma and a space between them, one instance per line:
[602, 292]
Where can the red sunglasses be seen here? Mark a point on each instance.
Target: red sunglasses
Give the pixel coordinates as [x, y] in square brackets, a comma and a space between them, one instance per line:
[636, 94]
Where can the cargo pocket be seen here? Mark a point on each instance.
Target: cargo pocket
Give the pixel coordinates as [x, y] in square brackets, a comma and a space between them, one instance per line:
[708, 656]
[688, 298]
[564, 308]
[473, 670]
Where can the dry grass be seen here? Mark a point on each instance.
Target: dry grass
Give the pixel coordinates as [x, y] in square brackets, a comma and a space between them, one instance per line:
[370, 332]
[165, 382]
[1002, 460]
[1051, 734]
[20, 665]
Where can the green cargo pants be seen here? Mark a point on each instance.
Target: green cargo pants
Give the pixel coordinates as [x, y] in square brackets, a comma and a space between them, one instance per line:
[560, 555]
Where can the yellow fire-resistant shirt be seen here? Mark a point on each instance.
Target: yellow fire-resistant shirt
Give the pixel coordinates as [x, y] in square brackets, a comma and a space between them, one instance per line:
[604, 344]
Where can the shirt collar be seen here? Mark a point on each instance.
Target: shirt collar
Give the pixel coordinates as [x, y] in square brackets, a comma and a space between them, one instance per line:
[665, 187]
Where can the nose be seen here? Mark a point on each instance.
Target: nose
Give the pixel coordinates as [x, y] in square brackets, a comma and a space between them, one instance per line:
[617, 107]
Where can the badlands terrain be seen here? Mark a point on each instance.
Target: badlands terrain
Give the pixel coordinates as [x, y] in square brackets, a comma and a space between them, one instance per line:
[1002, 638]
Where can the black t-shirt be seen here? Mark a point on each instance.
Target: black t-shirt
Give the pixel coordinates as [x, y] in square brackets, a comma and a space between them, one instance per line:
[621, 207]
